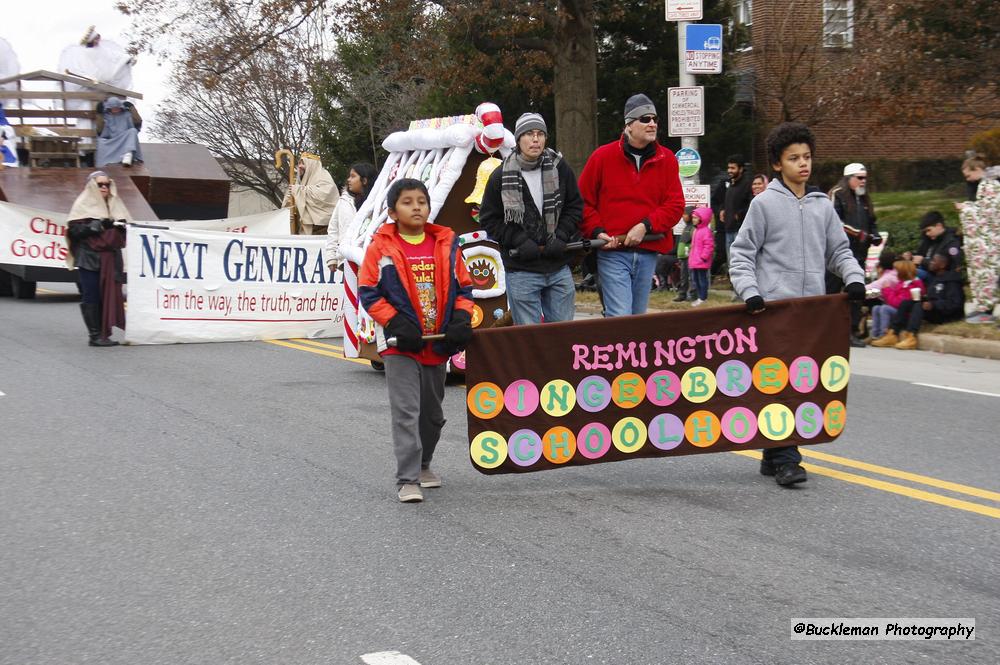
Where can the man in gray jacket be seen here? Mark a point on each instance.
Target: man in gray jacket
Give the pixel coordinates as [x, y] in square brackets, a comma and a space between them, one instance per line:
[790, 237]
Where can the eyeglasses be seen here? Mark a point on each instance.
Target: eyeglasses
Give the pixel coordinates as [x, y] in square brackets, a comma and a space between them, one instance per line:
[103, 185]
[861, 177]
[646, 119]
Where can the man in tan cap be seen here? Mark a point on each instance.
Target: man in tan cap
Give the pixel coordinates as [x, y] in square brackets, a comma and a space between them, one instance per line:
[857, 213]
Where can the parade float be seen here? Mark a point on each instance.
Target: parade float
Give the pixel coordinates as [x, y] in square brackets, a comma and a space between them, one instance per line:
[454, 157]
[50, 116]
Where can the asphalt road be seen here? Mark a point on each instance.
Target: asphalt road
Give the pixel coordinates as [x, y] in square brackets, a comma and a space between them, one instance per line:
[234, 503]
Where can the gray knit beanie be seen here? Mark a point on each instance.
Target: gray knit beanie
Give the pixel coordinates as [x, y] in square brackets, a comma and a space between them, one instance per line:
[638, 106]
[528, 122]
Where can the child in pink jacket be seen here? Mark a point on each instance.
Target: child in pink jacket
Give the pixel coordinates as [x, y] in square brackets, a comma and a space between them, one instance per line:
[702, 248]
[892, 296]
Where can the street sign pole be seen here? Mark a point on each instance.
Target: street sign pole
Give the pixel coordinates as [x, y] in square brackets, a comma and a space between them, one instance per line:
[685, 80]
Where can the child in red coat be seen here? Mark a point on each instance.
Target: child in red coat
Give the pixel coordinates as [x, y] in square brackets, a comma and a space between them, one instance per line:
[893, 295]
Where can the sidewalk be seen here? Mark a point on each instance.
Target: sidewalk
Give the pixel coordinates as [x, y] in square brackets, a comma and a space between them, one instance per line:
[928, 341]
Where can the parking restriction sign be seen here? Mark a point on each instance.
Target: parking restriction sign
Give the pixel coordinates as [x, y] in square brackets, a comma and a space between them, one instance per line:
[683, 10]
[686, 111]
[703, 53]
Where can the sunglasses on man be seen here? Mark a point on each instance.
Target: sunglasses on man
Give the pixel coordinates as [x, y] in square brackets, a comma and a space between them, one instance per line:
[104, 185]
[646, 119]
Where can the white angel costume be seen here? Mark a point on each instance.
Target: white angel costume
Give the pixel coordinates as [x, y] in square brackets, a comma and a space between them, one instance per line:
[97, 59]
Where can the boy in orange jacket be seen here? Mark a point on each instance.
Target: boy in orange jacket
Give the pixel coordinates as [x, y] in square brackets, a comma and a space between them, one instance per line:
[413, 282]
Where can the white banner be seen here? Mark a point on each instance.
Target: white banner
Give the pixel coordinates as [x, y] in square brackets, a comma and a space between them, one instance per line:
[207, 286]
[31, 237]
[272, 223]
[35, 237]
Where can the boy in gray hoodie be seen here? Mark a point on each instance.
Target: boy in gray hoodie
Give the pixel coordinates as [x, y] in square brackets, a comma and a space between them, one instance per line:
[790, 237]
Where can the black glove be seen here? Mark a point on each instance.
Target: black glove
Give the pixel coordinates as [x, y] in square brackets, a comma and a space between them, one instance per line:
[406, 332]
[554, 248]
[528, 250]
[876, 239]
[458, 332]
[755, 305]
[855, 291]
[107, 223]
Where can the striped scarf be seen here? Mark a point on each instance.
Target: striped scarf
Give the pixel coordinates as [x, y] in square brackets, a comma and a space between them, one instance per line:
[513, 198]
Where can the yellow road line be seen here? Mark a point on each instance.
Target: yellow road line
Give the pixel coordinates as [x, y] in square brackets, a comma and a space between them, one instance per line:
[921, 495]
[903, 475]
[312, 342]
[331, 354]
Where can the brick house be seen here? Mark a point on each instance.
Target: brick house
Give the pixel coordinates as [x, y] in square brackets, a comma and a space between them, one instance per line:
[790, 58]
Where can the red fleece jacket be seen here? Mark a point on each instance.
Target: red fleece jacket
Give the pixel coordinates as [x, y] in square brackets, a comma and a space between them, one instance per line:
[616, 196]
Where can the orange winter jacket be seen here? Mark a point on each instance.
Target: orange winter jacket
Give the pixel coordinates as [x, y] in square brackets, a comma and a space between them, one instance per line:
[386, 285]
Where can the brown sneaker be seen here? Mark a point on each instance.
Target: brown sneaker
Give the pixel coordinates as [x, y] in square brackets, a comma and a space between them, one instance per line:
[908, 342]
[888, 339]
[429, 479]
[410, 493]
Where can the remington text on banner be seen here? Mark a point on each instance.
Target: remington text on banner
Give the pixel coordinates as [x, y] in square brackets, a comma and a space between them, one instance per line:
[700, 381]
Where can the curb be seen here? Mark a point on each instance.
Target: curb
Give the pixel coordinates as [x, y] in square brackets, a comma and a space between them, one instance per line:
[963, 346]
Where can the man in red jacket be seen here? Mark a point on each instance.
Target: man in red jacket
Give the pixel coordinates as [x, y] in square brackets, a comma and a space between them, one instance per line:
[631, 188]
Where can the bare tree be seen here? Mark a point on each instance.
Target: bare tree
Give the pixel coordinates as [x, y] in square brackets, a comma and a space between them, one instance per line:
[262, 104]
[929, 63]
[241, 82]
[218, 35]
[796, 77]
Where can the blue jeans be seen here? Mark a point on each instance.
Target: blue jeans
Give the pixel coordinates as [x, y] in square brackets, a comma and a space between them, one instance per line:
[783, 455]
[730, 237]
[626, 277]
[881, 317]
[700, 278]
[532, 295]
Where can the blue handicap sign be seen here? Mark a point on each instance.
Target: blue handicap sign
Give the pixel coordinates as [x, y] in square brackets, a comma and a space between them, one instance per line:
[704, 37]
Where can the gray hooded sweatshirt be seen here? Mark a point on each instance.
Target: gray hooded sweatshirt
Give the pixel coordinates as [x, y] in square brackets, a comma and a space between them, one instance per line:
[787, 244]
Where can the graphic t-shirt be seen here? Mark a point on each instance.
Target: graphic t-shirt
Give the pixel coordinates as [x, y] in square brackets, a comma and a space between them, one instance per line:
[419, 252]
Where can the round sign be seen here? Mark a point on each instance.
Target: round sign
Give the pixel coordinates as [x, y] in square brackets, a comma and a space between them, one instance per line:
[689, 162]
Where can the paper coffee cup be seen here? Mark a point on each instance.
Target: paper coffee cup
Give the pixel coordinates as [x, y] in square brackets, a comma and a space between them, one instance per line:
[915, 293]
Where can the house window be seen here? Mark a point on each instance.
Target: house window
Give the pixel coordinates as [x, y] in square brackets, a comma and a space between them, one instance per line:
[838, 23]
[744, 23]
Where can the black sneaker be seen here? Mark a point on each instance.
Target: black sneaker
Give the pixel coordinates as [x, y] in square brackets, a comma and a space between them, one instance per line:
[680, 298]
[766, 468]
[857, 342]
[789, 474]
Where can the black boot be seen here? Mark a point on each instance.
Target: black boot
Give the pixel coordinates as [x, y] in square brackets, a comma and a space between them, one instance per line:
[92, 317]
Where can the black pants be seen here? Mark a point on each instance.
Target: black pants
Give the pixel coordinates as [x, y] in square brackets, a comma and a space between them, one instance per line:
[90, 286]
[665, 267]
[911, 314]
[835, 285]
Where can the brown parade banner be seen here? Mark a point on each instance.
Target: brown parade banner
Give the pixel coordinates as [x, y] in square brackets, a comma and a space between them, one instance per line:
[658, 385]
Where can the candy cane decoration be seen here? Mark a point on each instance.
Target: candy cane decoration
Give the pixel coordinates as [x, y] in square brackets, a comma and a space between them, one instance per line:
[492, 136]
[352, 345]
